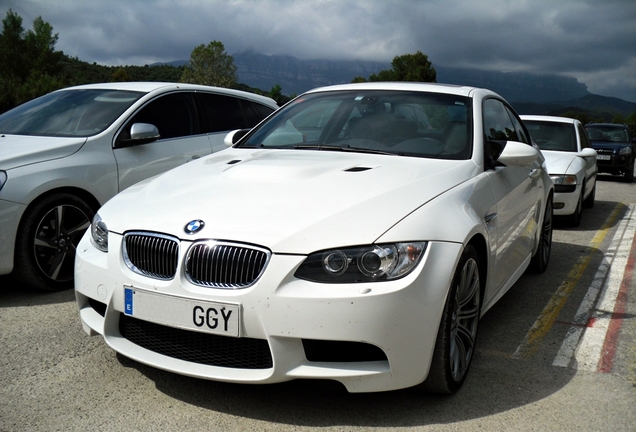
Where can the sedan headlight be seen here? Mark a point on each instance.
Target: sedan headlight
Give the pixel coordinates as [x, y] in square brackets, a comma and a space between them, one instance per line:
[625, 151]
[565, 180]
[99, 234]
[362, 264]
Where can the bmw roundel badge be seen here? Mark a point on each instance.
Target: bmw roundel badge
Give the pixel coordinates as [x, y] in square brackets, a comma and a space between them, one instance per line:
[194, 226]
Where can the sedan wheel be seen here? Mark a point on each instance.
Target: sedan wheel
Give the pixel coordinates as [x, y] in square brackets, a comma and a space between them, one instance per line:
[457, 334]
[46, 243]
[575, 218]
[541, 257]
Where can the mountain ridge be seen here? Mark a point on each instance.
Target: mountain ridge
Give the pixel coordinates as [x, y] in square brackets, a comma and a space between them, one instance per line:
[529, 93]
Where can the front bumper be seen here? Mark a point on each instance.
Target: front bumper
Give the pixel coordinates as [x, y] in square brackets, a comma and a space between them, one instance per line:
[565, 202]
[616, 164]
[296, 319]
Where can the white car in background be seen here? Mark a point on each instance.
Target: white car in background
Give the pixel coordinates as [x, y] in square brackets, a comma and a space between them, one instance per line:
[65, 154]
[343, 238]
[571, 162]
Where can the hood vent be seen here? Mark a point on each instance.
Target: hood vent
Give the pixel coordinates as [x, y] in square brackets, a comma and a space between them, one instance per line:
[358, 169]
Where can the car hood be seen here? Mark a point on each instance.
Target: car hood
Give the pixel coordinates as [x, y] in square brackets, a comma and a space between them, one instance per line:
[558, 162]
[291, 201]
[19, 150]
[609, 144]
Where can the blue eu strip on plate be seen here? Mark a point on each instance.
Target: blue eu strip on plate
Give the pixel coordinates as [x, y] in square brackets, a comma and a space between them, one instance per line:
[128, 301]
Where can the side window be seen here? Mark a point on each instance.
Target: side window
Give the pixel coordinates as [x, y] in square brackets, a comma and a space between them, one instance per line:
[585, 140]
[222, 113]
[521, 131]
[173, 114]
[497, 122]
[255, 112]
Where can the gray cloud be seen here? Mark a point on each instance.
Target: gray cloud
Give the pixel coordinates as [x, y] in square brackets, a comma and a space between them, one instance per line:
[591, 40]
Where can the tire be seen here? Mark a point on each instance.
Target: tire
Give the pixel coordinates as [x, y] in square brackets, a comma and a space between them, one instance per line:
[629, 175]
[542, 256]
[457, 334]
[575, 218]
[589, 201]
[49, 233]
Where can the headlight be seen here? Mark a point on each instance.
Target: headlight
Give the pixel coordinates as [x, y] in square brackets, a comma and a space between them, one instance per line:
[565, 180]
[99, 234]
[625, 151]
[3, 178]
[362, 264]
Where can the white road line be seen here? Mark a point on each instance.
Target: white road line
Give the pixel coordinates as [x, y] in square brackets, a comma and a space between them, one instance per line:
[590, 324]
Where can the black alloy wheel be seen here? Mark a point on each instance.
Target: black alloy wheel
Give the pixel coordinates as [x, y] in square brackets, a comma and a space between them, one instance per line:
[47, 240]
[457, 335]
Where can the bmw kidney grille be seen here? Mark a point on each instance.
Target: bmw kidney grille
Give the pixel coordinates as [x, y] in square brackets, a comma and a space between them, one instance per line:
[225, 265]
[208, 263]
[151, 254]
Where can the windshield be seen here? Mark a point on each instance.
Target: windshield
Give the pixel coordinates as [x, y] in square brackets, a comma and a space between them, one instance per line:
[69, 113]
[386, 122]
[552, 136]
[607, 133]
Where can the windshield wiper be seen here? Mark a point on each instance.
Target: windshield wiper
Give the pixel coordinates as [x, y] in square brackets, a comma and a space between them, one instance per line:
[346, 148]
[317, 147]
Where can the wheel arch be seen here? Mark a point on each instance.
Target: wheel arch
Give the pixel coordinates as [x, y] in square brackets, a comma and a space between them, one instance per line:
[84, 195]
[478, 242]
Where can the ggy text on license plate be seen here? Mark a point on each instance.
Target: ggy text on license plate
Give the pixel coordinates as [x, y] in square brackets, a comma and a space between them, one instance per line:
[603, 157]
[181, 312]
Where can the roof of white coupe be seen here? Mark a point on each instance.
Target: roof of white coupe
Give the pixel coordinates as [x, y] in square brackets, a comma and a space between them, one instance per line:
[406, 86]
[554, 119]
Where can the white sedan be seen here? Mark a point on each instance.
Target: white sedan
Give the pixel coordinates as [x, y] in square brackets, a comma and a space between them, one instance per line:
[571, 162]
[66, 153]
[344, 238]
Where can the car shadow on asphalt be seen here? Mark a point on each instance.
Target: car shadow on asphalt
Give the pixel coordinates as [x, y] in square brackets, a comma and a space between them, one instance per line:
[14, 293]
[327, 404]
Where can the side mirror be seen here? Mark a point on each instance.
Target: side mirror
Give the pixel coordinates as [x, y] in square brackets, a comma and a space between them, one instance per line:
[588, 152]
[518, 154]
[140, 133]
[234, 136]
[144, 131]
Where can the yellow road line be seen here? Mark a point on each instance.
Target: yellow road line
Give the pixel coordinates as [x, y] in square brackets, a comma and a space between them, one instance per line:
[548, 316]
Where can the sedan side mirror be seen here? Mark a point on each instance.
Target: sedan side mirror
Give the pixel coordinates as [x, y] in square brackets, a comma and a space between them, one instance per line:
[140, 133]
[518, 154]
[234, 136]
[588, 152]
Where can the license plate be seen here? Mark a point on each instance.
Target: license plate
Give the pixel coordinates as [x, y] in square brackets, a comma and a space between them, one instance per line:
[603, 157]
[202, 316]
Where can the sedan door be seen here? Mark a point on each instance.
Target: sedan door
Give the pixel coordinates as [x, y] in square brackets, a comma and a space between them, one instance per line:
[516, 192]
[180, 141]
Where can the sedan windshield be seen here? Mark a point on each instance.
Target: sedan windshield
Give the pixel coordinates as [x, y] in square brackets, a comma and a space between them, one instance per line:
[68, 113]
[386, 122]
[603, 133]
[552, 135]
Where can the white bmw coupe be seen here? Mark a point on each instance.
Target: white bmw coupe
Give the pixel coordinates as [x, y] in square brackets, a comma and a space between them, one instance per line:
[357, 235]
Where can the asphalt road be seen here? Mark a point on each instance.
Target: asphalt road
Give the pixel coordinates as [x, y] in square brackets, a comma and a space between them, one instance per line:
[543, 361]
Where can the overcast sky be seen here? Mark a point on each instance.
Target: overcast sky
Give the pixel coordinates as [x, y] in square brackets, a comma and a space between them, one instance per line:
[591, 40]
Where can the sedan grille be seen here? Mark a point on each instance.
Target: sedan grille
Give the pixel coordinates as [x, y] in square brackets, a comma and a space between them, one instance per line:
[151, 254]
[225, 265]
[196, 347]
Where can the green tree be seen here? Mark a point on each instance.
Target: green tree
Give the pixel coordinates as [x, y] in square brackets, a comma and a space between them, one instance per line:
[30, 65]
[121, 75]
[210, 65]
[408, 67]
